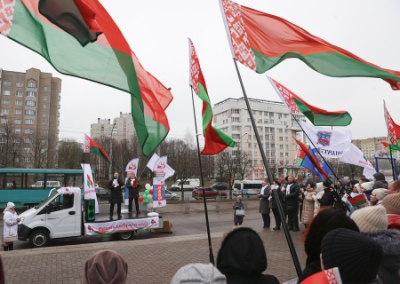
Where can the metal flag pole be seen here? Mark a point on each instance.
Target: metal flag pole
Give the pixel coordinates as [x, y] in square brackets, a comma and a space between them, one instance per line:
[391, 161]
[271, 180]
[211, 255]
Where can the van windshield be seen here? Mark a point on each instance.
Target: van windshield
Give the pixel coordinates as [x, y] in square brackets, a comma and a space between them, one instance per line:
[51, 196]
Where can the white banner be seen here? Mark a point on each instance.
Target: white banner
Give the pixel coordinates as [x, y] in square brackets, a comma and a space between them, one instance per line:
[356, 157]
[152, 161]
[119, 226]
[132, 166]
[159, 174]
[330, 143]
[88, 185]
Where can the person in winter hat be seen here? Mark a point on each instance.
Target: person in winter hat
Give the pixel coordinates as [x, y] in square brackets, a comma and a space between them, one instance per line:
[326, 220]
[105, 267]
[370, 218]
[320, 192]
[198, 273]
[242, 258]
[367, 187]
[357, 256]
[392, 206]
[377, 196]
[10, 229]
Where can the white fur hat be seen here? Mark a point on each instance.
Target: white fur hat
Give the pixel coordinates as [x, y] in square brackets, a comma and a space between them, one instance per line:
[10, 205]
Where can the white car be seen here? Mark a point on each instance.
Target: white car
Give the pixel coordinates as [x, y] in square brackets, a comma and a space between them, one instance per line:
[171, 196]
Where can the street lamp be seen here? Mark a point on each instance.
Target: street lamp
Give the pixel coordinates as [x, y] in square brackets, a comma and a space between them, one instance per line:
[110, 167]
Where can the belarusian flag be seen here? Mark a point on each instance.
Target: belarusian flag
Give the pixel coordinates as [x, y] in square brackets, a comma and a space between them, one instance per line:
[317, 116]
[91, 146]
[95, 50]
[215, 140]
[358, 200]
[387, 147]
[260, 41]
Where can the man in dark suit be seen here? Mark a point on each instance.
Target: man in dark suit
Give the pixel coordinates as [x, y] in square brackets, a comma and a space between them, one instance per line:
[265, 196]
[292, 203]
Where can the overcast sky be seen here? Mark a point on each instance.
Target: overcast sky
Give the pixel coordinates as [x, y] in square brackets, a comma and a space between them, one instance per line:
[157, 32]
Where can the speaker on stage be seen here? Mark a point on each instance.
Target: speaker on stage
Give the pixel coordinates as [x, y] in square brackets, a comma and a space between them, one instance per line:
[90, 210]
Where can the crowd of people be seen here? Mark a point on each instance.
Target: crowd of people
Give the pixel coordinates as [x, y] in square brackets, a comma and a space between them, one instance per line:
[362, 240]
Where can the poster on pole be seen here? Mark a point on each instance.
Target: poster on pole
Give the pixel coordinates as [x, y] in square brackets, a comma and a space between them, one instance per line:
[88, 185]
[159, 174]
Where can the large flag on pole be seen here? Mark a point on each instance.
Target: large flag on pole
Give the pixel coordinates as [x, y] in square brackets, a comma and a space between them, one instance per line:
[356, 157]
[317, 116]
[105, 58]
[215, 140]
[91, 146]
[260, 41]
[312, 159]
[387, 147]
[331, 143]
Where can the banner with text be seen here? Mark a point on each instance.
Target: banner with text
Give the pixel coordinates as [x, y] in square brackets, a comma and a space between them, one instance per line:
[120, 226]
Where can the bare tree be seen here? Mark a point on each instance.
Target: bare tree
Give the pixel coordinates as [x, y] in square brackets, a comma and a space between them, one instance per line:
[69, 154]
[10, 143]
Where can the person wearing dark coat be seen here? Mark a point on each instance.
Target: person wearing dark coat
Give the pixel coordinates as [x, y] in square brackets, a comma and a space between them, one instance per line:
[133, 187]
[292, 203]
[238, 220]
[264, 203]
[327, 199]
[274, 206]
[242, 258]
[115, 186]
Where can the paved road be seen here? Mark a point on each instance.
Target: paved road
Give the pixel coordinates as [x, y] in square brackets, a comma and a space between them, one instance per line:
[152, 258]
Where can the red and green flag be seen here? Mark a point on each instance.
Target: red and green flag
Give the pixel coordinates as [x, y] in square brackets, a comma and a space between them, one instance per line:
[260, 41]
[91, 146]
[317, 116]
[94, 49]
[215, 140]
[358, 200]
[387, 147]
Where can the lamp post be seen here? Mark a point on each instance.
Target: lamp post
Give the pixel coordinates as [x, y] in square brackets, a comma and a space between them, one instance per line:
[110, 167]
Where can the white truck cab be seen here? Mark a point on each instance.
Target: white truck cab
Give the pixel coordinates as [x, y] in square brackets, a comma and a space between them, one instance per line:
[61, 216]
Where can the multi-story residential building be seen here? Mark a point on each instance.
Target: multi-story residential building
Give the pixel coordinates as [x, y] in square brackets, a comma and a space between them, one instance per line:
[121, 128]
[276, 128]
[30, 117]
[370, 146]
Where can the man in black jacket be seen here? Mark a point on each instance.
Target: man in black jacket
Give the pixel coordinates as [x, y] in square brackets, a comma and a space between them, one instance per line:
[292, 203]
[115, 186]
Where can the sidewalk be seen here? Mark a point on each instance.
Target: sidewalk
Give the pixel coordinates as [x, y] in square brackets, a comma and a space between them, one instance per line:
[152, 260]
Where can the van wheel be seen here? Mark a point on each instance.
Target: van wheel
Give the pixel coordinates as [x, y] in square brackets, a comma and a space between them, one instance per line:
[39, 238]
[126, 235]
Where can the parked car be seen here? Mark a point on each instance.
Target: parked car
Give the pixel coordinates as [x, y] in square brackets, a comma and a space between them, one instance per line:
[189, 184]
[49, 184]
[197, 193]
[102, 193]
[220, 186]
[171, 196]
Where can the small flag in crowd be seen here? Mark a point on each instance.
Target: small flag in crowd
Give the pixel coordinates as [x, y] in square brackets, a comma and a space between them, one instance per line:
[329, 276]
[358, 200]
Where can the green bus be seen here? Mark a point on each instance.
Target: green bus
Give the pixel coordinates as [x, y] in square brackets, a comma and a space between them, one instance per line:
[27, 187]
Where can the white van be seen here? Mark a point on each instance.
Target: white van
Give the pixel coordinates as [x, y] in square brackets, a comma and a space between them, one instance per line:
[188, 184]
[246, 187]
[49, 184]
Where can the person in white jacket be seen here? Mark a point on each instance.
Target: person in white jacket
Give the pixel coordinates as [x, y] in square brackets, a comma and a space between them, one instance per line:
[11, 220]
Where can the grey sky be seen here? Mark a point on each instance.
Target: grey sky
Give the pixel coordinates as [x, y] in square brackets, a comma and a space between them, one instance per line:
[157, 32]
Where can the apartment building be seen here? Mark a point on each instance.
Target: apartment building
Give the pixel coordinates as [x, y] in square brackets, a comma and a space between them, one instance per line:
[121, 128]
[371, 147]
[30, 117]
[276, 128]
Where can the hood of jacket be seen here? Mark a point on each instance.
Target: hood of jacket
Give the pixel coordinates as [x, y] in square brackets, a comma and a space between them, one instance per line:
[7, 210]
[242, 253]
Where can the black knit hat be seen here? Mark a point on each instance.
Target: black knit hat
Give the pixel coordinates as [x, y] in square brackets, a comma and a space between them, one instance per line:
[326, 184]
[357, 256]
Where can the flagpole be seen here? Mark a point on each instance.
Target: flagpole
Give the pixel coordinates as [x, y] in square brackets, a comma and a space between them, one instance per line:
[391, 161]
[211, 255]
[271, 180]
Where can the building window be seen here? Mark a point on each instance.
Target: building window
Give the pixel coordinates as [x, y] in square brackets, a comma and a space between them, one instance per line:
[17, 121]
[17, 130]
[17, 140]
[30, 112]
[45, 114]
[4, 120]
[45, 123]
[29, 121]
[47, 97]
[18, 103]
[5, 102]
[31, 94]
[235, 136]
[18, 111]
[30, 103]
[4, 111]
[6, 92]
[19, 94]
[28, 131]
[280, 130]
[45, 133]
[31, 84]
[27, 140]
[7, 83]
[271, 121]
[19, 84]
[47, 106]
[46, 88]
[27, 159]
